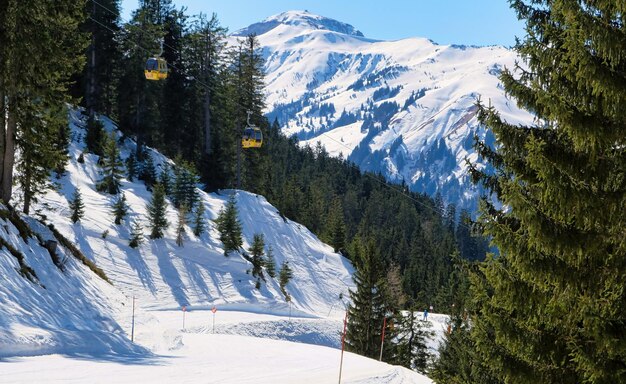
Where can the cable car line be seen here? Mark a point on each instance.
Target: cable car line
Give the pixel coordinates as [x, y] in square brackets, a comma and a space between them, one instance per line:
[369, 174]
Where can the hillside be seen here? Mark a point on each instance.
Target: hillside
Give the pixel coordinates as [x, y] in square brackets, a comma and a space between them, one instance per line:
[71, 312]
[405, 108]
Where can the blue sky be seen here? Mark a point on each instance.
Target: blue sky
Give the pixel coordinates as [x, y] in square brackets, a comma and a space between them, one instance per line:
[477, 22]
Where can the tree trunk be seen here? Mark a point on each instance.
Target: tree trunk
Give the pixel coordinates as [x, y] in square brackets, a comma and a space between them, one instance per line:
[207, 123]
[3, 127]
[9, 153]
[27, 194]
[91, 92]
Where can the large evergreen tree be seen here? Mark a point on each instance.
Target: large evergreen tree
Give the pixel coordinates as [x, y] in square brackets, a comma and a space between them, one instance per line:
[97, 83]
[35, 65]
[369, 307]
[553, 303]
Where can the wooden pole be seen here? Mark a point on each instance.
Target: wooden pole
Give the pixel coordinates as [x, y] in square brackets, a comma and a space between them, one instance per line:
[382, 339]
[132, 327]
[343, 344]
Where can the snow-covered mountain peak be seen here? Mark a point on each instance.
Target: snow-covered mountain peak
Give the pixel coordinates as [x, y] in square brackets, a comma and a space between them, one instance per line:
[301, 19]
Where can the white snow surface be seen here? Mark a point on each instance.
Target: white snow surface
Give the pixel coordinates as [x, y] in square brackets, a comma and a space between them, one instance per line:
[71, 326]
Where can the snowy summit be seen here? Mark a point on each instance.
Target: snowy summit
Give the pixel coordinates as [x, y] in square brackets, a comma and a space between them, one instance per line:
[300, 19]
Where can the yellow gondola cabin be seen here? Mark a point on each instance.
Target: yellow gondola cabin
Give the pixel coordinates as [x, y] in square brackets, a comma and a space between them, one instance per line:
[156, 69]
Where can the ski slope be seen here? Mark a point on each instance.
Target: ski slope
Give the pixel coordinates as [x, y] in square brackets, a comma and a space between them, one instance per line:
[71, 326]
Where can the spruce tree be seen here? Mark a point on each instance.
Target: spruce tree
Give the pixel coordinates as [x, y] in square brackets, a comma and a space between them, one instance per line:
[95, 137]
[120, 209]
[552, 303]
[257, 250]
[148, 172]
[229, 227]
[368, 309]
[284, 276]
[180, 227]
[156, 212]
[136, 235]
[270, 262]
[335, 228]
[77, 207]
[165, 179]
[35, 66]
[199, 223]
[411, 340]
[97, 83]
[111, 167]
[131, 167]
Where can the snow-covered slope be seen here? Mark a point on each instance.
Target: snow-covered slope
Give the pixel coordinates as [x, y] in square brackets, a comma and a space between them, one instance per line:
[405, 108]
[77, 327]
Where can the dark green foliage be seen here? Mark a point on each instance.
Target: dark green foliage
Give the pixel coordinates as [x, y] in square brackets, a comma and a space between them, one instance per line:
[180, 227]
[459, 362]
[411, 341]
[335, 227]
[131, 167]
[77, 207]
[156, 212]
[284, 276]
[120, 209]
[270, 262]
[229, 227]
[369, 306]
[148, 172]
[95, 138]
[40, 151]
[97, 82]
[165, 179]
[35, 66]
[257, 250]
[136, 236]
[199, 223]
[184, 190]
[111, 167]
[552, 304]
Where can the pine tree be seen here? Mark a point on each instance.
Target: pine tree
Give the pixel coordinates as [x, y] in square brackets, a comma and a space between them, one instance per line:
[148, 172]
[180, 228]
[411, 340]
[77, 206]
[229, 227]
[97, 83]
[257, 250]
[184, 190]
[120, 209]
[136, 235]
[270, 262]
[165, 179]
[131, 167]
[33, 95]
[284, 276]
[199, 224]
[95, 137]
[459, 362]
[336, 230]
[552, 303]
[156, 213]
[368, 310]
[111, 167]
[39, 154]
